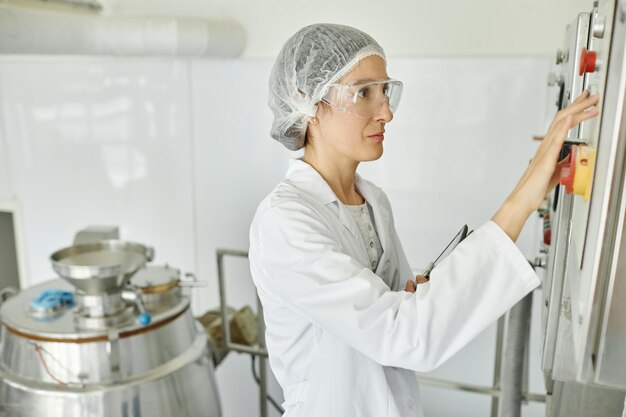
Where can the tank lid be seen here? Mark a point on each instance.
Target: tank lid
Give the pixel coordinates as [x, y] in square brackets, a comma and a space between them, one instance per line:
[59, 323]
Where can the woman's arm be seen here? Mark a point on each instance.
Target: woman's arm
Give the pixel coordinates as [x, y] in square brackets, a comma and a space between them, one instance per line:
[296, 257]
[544, 170]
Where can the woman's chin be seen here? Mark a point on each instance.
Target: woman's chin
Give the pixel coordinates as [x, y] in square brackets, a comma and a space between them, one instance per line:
[374, 154]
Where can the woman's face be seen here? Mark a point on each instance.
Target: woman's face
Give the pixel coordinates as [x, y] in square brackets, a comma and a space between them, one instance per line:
[347, 135]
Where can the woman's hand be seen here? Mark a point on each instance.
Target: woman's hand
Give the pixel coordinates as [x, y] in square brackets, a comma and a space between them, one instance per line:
[544, 170]
[410, 284]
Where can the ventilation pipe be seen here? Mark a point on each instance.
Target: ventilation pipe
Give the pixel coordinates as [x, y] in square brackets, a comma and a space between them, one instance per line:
[38, 32]
[515, 360]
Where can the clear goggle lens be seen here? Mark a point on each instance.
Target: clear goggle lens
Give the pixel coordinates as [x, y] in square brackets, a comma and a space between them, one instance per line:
[365, 99]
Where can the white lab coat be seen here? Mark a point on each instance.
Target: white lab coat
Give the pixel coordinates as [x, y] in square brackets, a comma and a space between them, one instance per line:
[344, 341]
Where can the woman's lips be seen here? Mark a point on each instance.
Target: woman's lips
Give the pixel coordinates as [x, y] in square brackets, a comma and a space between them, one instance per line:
[378, 137]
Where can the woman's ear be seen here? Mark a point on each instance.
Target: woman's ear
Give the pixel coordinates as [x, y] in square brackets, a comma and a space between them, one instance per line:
[313, 126]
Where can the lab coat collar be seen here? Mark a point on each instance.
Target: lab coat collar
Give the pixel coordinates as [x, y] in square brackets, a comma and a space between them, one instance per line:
[304, 177]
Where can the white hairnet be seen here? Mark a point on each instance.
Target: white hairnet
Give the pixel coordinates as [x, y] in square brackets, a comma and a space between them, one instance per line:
[313, 58]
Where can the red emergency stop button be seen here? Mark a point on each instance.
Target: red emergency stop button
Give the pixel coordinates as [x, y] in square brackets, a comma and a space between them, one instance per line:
[587, 61]
[569, 171]
[547, 229]
[577, 173]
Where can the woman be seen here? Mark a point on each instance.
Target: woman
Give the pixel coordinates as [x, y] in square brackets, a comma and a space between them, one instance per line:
[346, 328]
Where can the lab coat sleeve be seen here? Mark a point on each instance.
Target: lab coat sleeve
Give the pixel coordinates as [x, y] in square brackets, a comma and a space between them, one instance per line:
[296, 256]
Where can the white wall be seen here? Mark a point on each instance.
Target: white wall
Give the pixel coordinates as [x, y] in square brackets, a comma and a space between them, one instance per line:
[6, 192]
[104, 142]
[178, 154]
[404, 28]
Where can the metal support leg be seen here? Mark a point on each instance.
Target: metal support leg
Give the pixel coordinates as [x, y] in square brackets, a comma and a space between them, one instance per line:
[497, 366]
[518, 329]
[259, 350]
[262, 360]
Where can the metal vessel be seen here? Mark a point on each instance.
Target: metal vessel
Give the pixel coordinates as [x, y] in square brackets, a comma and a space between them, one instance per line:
[113, 338]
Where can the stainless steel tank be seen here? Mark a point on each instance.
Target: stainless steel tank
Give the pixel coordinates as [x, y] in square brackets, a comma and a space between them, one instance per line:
[114, 338]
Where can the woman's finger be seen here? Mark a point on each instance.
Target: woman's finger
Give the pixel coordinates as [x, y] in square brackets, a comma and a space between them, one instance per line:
[410, 286]
[579, 106]
[575, 108]
[584, 115]
[421, 279]
[558, 133]
[582, 96]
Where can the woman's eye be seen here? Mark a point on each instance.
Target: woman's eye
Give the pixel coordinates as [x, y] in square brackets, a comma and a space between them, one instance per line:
[362, 93]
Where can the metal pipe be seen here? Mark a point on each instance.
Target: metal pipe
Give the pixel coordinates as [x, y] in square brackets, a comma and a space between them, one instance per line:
[236, 347]
[222, 292]
[459, 386]
[517, 331]
[232, 252]
[497, 366]
[43, 32]
[262, 360]
[87, 4]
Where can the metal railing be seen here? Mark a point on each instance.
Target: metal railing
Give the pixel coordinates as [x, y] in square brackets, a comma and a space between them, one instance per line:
[229, 345]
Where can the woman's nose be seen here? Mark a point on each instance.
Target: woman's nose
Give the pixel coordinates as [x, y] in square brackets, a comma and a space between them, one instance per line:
[384, 112]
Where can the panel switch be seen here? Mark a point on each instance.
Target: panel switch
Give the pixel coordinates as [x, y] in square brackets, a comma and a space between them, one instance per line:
[588, 61]
[577, 175]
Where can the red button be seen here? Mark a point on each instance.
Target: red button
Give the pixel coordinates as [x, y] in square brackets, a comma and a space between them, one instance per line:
[587, 61]
[547, 229]
[547, 236]
[569, 171]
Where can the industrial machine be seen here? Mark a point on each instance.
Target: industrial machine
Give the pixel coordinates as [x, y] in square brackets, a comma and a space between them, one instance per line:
[584, 248]
[112, 338]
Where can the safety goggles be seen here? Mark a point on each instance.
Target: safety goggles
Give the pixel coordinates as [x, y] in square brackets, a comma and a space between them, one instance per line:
[364, 99]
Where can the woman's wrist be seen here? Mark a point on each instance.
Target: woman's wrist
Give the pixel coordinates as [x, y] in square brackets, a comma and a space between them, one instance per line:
[512, 216]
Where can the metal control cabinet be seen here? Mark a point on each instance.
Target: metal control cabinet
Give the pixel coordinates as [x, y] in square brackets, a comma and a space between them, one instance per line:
[584, 313]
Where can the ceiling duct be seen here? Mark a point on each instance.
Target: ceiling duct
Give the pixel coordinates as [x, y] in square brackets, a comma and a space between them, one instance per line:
[38, 32]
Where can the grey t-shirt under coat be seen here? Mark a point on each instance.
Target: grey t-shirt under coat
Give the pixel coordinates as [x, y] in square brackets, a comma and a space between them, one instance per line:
[364, 219]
